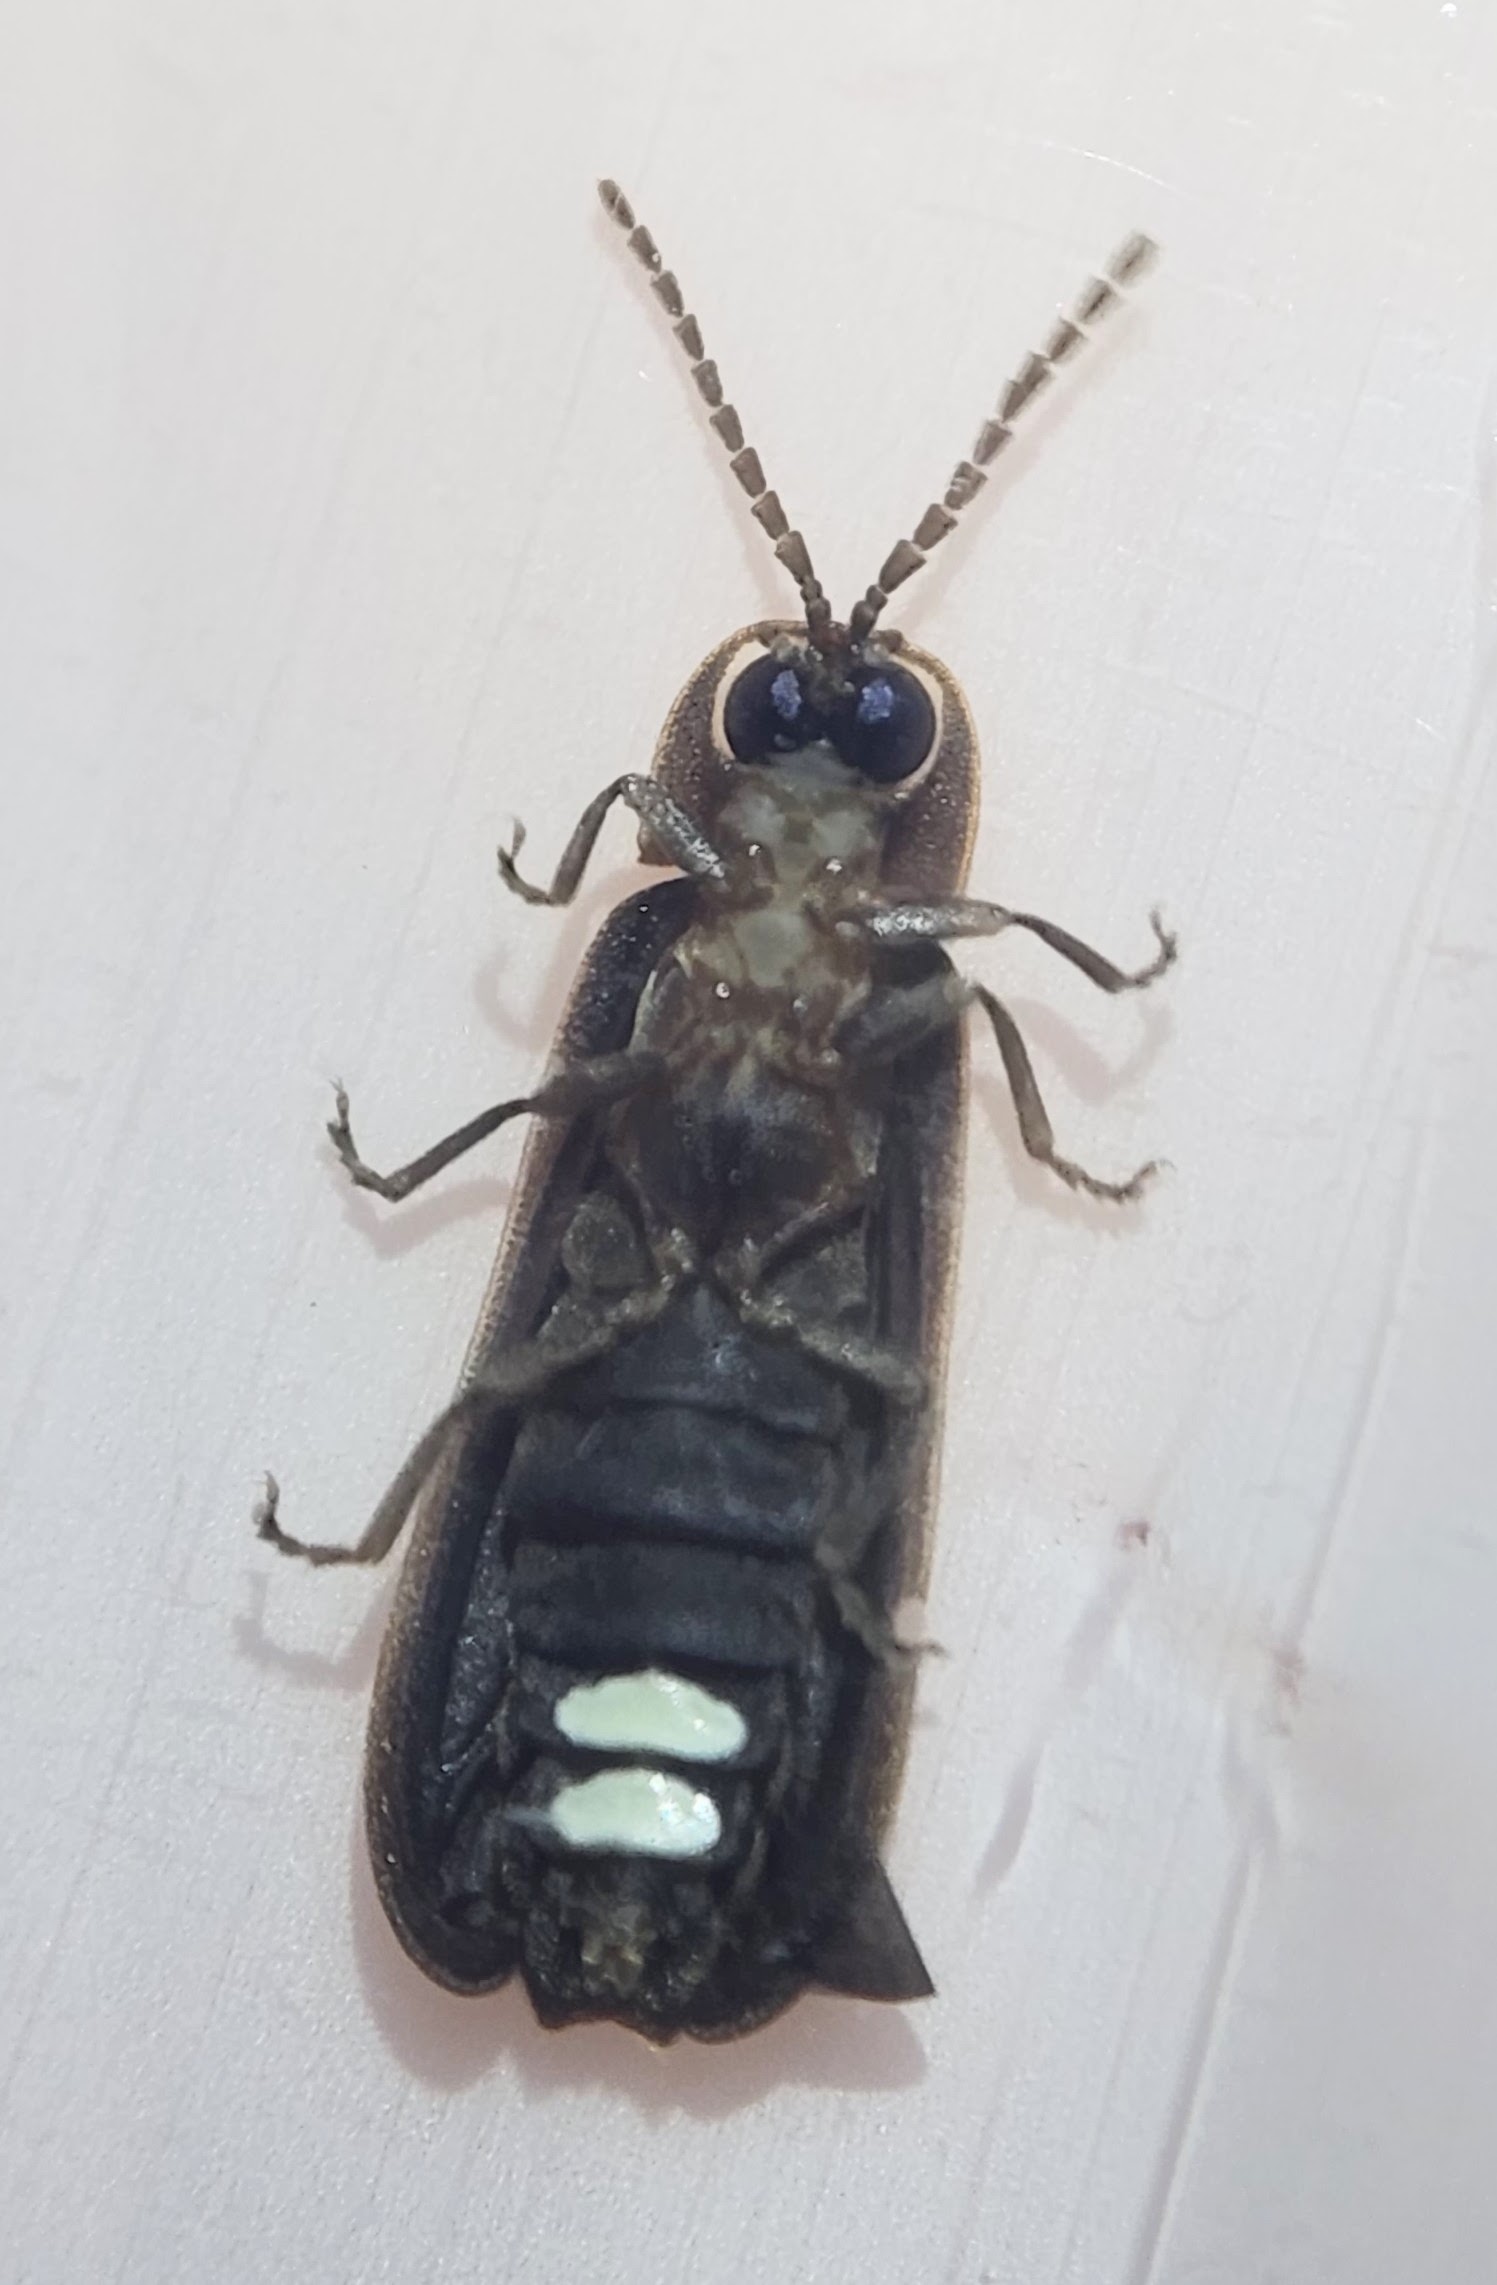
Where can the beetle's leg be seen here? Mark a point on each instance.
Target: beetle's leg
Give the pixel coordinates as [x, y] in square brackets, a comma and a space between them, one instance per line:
[568, 1340]
[899, 1380]
[895, 1022]
[388, 1519]
[678, 837]
[862, 1617]
[587, 1085]
[671, 1249]
[839, 1553]
[514, 1378]
[740, 1275]
[750, 1264]
[1035, 1130]
[946, 919]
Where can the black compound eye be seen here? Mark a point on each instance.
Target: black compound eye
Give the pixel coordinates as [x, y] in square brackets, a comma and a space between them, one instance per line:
[768, 712]
[889, 725]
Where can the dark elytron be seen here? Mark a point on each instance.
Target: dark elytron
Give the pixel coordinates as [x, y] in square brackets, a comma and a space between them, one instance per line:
[641, 1710]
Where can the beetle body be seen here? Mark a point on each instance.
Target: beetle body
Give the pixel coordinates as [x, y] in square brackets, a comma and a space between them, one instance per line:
[690, 1504]
[642, 1705]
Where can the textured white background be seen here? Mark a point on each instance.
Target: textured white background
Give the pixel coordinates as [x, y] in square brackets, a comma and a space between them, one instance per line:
[353, 500]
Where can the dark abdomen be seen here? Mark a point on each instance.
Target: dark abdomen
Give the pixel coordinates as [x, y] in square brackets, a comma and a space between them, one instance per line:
[665, 1740]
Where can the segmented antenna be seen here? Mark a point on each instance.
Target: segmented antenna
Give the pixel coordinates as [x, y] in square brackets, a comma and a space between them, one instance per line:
[742, 458]
[1067, 336]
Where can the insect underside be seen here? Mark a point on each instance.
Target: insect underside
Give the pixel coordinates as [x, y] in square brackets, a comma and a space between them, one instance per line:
[641, 1708]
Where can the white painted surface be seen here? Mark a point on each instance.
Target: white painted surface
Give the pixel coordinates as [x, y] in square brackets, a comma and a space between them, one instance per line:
[353, 500]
